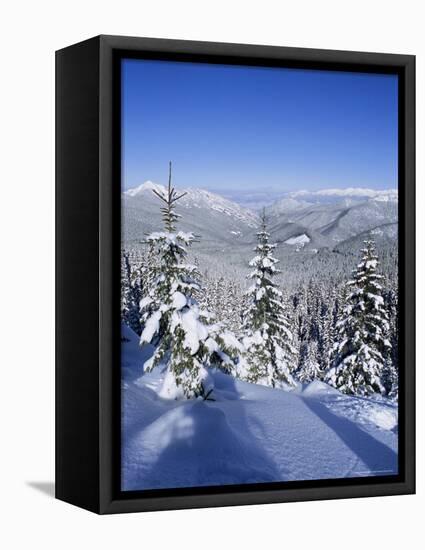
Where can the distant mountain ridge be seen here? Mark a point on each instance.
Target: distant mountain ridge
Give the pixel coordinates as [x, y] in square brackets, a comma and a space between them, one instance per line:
[302, 223]
[200, 198]
[218, 222]
[296, 200]
[358, 192]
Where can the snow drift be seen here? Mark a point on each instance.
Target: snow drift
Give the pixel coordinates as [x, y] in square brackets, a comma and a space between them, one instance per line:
[249, 433]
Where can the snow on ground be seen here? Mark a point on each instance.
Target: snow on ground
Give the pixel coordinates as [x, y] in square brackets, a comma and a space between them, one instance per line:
[299, 239]
[132, 356]
[249, 434]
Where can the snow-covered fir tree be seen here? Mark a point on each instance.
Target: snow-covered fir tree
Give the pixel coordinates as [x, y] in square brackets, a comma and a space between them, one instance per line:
[270, 352]
[324, 342]
[225, 300]
[185, 342]
[362, 348]
[148, 265]
[391, 373]
[299, 316]
[131, 293]
[310, 368]
[390, 379]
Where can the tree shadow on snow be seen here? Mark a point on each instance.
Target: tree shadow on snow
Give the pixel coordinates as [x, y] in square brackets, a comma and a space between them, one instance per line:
[377, 457]
[198, 444]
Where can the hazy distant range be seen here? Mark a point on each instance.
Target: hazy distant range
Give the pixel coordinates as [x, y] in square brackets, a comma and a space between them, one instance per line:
[319, 234]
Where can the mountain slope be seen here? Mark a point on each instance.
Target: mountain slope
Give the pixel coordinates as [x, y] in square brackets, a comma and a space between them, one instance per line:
[204, 213]
[338, 221]
[320, 238]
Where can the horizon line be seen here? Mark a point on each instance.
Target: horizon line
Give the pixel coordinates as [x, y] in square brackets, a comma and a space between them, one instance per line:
[263, 189]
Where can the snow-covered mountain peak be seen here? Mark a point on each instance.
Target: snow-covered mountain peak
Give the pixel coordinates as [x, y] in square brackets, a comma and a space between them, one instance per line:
[144, 187]
[200, 199]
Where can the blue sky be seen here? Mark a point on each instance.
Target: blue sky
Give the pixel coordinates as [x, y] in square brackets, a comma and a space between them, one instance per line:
[237, 129]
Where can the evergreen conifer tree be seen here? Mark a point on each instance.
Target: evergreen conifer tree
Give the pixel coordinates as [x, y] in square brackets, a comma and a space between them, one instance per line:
[360, 354]
[185, 342]
[310, 369]
[391, 372]
[271, 355]
[299, 315]
[131, 294]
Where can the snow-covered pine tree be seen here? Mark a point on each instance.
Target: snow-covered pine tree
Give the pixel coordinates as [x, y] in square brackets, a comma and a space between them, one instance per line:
[131, 294]
[270, 352]
[390, 379]
[339, 298]
[174, 324]
[325, 328]
[299, 316]
[392, 307]
[359, 355]
[224, 299]
[391, 374]
[312, 311]
[148, 265]
[232, 305]
[310, 369]
[289, 322]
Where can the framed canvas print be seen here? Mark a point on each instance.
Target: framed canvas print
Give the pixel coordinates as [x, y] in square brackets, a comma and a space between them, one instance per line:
[235, 274]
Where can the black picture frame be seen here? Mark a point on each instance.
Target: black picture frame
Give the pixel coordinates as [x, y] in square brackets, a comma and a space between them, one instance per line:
[88, 190]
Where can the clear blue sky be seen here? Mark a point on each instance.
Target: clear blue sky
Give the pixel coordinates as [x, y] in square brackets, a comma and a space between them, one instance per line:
[237, 129]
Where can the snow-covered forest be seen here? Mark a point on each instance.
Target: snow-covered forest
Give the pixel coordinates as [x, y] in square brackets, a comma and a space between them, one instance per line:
[209, 335]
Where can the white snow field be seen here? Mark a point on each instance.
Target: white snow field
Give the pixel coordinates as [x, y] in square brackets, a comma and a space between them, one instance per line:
[249, 434]
[300, 239]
